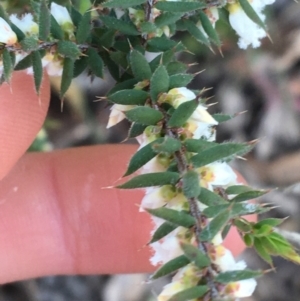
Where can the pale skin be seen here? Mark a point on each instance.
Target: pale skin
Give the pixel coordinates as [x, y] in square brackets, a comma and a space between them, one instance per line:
[55, 216]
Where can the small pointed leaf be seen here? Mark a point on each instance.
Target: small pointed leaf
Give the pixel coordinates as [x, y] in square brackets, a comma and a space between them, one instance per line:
[171, 267]
[151, 179]
[234, 276]
[179, 6]
[209, 29]
[180, 80]
[139, 65]
[84, 28]
[248, 195]
[237, 189]
[44, 21]
[215, 225]
[223, 152]
[180, 218]
[67, 76]
[159, 82]
[195, 255]
[129, 97]
[141, 157]
[167, 145]
[183, 113]
[122, 3]
[144, 115]
[193, 292]
[191, 184]
[95, 62]
[37, 70]
[163, 230]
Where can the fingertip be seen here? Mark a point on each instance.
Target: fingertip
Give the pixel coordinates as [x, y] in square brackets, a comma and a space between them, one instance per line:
[22, 113]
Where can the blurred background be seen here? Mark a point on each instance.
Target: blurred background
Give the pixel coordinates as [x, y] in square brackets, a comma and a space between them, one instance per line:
[264, 82]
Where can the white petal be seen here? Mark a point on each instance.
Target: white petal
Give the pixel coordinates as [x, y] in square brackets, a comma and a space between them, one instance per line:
[7, 35]
[60, 13]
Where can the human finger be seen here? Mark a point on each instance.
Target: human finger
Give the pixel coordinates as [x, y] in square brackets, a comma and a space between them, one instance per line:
[56, 218]
[22, 113]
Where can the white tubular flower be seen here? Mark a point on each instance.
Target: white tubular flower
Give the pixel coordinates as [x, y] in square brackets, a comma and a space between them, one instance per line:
[61, 14]
[166, 250]
[116, 115]
[216, 174]
[250, 33]
[26, 24]
[185, 278]
[53, 64]
[241, 289]
[7, 35]
[200, 123]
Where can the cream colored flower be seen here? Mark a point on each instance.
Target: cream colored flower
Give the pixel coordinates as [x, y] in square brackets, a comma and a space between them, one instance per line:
[116, 114]
[249, 32]
[7, 35]
[61, 14]
[26, 24]
[216, 174]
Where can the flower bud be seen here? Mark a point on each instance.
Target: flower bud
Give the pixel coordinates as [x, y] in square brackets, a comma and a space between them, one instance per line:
[7, 35]
[26, 24]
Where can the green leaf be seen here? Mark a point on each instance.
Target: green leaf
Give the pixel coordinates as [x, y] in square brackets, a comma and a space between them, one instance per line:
[7, 65]
[136, 129]
[182, 113]
[209, 29]
[80, 65]
[215, 225]
[210, 198]
[196, 32]
[129, 97]
[4, 15]
[20, 34]
[167, 18]
[195, 255]
[274, 222]
[84, 28]
[180, 218]
[248, 195]
[126, 84]
[144, 115]
[95, 62]
[193, 292]
[122, 3]
[76, 16]
[25, 63]
[29, 44]
[163, 230]
[198, 145]
[151, 179]
[261, 251]
[237, 189]
[120, 25]
[56, 30]
[237, 209]
[223, 152]
[180, 80]
[251, 13]
[159, 82]
[160, 44]
[167, 145]
[44, 21]
[67, 76]
[242, 224]
[148, 27]
[222, 117]
[139, 65]
[68, 49]
[37, 70]
[179, 6]
[141, 157]
[234, 276]
[171, 267]
[191, 184]
[176, 68]
[248, 240]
